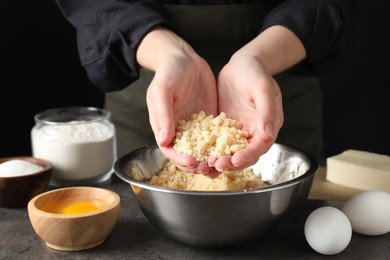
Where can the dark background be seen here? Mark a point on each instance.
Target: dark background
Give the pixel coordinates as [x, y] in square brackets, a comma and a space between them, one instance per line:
[357, 94]
[40, 69]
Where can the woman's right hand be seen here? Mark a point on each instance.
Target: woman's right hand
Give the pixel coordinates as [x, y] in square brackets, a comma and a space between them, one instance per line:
[183, 84]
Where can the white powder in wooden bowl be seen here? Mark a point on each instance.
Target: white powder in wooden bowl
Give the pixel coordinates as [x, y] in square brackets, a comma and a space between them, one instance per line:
[174, 178]
[17, 167]
[202, 135]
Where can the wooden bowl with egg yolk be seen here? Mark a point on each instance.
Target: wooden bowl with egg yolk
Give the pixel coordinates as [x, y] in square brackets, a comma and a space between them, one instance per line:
[74, 218]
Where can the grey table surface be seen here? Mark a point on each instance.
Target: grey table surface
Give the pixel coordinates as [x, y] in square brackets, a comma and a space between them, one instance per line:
[135, 238]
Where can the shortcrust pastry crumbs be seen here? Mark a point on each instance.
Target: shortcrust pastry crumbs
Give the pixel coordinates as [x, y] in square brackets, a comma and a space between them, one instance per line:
[202, 135]
[174, 178]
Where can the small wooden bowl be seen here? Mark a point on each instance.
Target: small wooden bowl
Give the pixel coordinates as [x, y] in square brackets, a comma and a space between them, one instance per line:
[78, 231]
[17, 191]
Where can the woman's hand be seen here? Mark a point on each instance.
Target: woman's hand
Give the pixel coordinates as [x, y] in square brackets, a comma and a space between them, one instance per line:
[183, 84]
[248, 93]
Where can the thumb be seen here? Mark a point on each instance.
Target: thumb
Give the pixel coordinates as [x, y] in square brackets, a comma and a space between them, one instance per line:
[161, 116]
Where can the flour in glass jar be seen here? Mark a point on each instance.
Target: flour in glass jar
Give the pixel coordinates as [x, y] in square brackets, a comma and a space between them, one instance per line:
[77, 150]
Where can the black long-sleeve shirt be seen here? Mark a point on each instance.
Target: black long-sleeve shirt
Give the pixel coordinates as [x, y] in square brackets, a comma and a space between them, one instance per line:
[109, 31]
[345, 41]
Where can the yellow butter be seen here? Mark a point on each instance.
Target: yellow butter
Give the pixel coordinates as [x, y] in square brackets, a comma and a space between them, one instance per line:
[360, 170]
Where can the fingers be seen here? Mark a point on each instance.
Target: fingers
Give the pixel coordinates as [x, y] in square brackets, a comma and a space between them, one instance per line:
[270, 117]
[259, 100]
[161, 115]
[244, 157]
[269, 110]
[223, 163]
[185, 162]
[213, 173]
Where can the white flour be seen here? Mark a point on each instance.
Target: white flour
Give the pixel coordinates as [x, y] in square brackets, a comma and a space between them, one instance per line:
[16, 167]
[77, 151]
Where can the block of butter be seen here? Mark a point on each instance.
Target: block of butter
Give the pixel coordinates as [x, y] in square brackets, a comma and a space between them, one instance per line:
[360, 170]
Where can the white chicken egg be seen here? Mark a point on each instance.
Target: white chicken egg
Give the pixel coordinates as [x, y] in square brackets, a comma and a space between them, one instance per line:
[369, 212]
[328, 230]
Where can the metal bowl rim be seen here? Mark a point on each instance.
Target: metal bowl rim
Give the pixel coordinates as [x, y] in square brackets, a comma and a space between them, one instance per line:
[300, 179]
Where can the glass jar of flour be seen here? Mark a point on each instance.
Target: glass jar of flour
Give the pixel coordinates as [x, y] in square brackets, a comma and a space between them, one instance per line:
[79, 142]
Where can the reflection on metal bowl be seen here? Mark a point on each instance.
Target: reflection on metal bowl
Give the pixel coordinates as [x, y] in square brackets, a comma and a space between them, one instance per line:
[218, 218]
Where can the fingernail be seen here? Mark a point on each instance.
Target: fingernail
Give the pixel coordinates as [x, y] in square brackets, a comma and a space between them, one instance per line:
[269, 130]
[239, 164]
[211, 161]
[161, 134]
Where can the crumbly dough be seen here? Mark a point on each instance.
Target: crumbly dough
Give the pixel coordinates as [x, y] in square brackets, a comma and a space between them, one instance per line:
[202, 135]
[174, 178]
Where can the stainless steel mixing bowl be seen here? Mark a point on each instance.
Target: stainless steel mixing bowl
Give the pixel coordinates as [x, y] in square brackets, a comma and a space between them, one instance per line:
[220, 218]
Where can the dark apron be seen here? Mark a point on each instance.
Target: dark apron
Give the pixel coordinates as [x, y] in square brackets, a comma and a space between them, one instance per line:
[216, 32]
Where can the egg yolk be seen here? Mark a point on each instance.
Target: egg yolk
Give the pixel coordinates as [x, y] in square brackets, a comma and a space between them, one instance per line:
[79, 208]
[74, 206]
